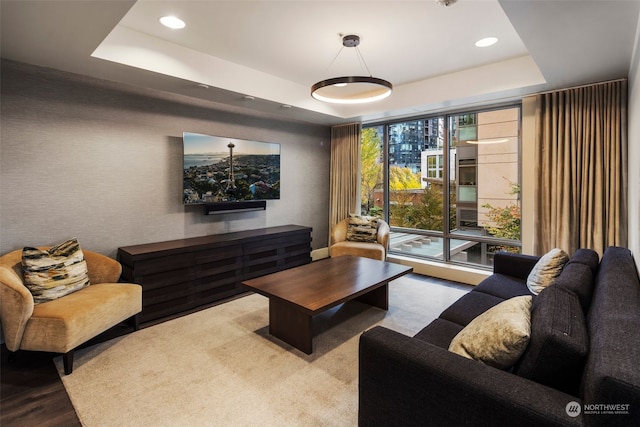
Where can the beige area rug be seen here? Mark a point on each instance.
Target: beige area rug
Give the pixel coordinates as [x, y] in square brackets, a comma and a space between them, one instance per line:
[220, 366]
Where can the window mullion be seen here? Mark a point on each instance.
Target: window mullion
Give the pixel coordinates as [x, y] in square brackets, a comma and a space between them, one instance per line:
[446, 191]
[385, 171]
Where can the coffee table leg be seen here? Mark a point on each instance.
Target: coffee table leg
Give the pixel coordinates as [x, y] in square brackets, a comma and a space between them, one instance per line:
[288, 323]
[378, 297]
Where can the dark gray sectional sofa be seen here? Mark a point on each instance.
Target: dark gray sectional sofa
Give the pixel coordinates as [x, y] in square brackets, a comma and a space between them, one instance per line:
[581, 366]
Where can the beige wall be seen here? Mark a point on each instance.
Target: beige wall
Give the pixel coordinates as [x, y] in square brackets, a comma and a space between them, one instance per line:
[101, 161]
[497, 162]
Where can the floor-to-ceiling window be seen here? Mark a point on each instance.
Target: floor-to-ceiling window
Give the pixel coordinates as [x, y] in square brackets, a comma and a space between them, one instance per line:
[449, 184]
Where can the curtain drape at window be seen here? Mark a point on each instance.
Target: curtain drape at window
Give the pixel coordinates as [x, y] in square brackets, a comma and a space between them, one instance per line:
[581, 168]
[344, 197]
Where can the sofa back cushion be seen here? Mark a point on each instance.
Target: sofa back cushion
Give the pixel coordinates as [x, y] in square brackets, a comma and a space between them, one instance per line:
[588, 257]
[611, 374]
[579, 279]
[515, 265]
[559, 342]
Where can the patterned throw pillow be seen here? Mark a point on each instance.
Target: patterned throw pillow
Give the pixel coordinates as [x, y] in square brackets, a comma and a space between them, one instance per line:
[499, 336]
[56, 272]
[362, 229]
[546, 270]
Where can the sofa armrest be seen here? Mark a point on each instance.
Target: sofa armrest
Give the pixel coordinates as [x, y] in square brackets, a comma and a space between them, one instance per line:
[514, 265]
[404, 381]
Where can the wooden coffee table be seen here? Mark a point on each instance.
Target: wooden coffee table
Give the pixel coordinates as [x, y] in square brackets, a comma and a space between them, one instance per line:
[298, 294]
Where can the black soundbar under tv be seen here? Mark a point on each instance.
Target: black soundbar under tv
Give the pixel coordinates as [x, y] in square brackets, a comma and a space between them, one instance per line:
[230, 207]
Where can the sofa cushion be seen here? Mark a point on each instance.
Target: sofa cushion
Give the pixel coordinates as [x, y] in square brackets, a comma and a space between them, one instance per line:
[362, 229]
[499, 336]
[65, 323]
[588, 257]
[51, 274]
[559, 341]
[363, 249]
[546, 270]
[440, 332]
[577, 278]
[469, 306]
[503, 286]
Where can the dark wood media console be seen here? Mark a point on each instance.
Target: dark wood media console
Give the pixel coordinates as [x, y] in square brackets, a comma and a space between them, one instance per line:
[178, 276]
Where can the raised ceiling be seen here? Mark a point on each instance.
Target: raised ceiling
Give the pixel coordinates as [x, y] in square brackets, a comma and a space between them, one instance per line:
[273, 51]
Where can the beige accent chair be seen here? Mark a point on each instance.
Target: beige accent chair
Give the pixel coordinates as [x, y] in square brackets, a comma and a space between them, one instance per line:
[63, 324]
[339, 245]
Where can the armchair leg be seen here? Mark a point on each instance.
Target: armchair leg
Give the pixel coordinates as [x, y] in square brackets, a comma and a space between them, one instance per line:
[67, 359]
[135, 320]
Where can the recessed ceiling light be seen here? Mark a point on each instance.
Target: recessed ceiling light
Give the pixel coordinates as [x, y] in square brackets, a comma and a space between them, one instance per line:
[172, 22]
[487, 41]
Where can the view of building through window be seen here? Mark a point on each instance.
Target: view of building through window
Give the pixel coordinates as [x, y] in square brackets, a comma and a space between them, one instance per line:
[448, 185]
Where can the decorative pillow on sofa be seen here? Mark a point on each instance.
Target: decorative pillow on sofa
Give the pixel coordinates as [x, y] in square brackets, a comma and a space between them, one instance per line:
[546, 270]
[51, 274]
[362, 229]
[559, 341]
[499, 336]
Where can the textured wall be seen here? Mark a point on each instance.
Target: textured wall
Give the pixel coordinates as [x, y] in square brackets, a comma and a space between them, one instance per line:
[101, 161]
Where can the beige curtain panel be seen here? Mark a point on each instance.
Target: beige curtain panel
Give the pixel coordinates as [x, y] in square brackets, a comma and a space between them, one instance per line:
[581, 168]
[344, 197]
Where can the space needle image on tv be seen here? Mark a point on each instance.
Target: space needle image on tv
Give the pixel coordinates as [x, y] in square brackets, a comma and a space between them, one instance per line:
[219, 169]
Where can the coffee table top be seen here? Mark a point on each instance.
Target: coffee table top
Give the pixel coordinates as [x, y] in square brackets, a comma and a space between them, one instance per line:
[320, 285]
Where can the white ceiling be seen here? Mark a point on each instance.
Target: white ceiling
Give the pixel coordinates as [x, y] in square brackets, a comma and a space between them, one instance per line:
[274, 51]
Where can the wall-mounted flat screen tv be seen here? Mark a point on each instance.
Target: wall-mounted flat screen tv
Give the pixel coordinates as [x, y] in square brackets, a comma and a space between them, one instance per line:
[219, 169]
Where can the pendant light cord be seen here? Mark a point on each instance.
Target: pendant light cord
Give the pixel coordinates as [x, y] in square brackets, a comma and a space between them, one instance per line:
[363, 61]
[334, 58]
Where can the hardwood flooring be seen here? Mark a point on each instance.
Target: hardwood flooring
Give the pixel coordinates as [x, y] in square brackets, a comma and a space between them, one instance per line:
[31, 391]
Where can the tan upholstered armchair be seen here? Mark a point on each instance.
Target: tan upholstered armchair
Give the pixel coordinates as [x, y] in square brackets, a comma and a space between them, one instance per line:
[63, 324]
[339, 245]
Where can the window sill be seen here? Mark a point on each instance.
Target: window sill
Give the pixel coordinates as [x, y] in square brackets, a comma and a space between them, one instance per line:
[456, 273]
